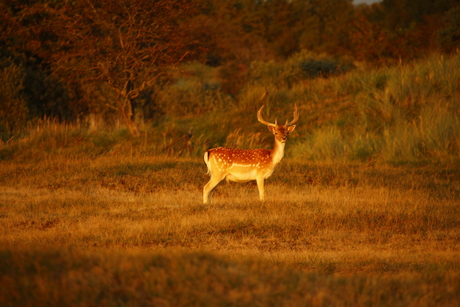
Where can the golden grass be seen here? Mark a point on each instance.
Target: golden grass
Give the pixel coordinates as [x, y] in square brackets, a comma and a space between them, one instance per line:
[132, 230]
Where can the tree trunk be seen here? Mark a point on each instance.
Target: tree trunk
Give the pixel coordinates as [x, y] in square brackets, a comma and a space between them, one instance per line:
[126, 110]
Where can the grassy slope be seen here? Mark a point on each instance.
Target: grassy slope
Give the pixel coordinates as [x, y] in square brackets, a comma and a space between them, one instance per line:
[399, 114]
[403, 114]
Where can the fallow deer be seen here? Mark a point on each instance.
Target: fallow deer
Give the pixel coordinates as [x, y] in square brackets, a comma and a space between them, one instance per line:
[242, 165]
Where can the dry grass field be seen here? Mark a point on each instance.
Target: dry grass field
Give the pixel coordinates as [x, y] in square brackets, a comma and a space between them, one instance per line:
[131, 230]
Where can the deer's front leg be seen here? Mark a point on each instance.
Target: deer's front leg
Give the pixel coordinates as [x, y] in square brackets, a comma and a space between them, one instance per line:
[260, 186]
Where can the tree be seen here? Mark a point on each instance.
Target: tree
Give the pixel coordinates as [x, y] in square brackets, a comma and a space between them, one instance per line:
[372, 43]
[113, 49]
[325, 25]
[315, 25]
[411, 24]
[449, 36]
[13, 109]
[230, 31]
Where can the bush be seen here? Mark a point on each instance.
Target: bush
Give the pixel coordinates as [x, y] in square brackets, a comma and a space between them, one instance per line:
[448, 37]
[300, 66]
[313, 66]
[13, 107]
[196, 91]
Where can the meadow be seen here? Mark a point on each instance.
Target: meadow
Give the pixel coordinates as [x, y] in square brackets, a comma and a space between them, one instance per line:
[364, 210]
[132, 231]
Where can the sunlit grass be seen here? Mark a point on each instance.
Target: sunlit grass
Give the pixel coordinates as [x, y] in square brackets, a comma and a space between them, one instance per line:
[126, 229]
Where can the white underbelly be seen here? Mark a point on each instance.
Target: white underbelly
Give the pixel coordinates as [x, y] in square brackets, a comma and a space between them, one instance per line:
[244, 173]
[242, 177]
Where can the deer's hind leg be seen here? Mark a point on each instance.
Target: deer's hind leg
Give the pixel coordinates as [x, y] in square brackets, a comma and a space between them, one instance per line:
[210, 186]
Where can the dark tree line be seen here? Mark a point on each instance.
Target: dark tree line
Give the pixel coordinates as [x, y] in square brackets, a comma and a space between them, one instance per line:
[67, 59]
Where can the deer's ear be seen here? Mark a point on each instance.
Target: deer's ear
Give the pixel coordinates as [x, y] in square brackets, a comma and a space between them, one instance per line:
[272, 129]
[291, 128]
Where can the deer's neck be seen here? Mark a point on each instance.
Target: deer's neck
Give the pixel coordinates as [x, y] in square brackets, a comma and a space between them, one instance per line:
[277, 152]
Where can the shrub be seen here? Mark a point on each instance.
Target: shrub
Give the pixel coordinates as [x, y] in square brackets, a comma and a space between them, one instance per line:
[13, 107]
[196, 91]
[448, 37]
[300, 66]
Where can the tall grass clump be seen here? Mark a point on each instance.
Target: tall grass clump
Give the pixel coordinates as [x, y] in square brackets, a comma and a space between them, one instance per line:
[47, 138]
[13, 106]
[433, 136]
[401, 114]
[327, 144]
[415, 112]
